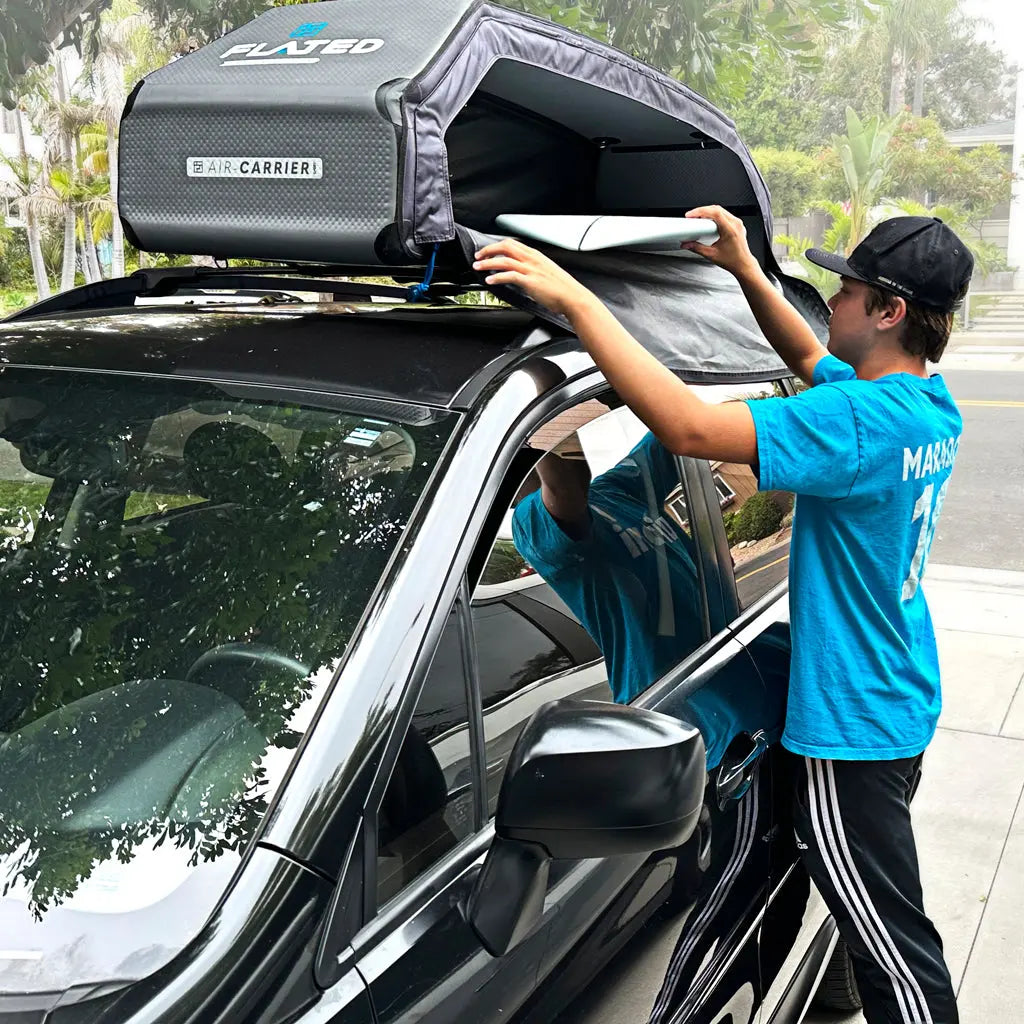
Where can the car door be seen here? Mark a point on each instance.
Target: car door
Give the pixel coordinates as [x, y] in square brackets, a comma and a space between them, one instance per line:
[713, 971]
[752, 536]
[519, 646]
[509, 645]
[720, 876]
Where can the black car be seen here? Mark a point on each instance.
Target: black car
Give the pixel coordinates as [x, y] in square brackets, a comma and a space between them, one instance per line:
[303, 718]
[290, 731]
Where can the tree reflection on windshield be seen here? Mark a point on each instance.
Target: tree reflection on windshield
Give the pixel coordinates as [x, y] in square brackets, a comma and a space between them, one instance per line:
[181, 570]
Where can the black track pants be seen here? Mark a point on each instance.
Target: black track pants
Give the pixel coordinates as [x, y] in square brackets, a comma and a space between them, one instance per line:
[853, 825]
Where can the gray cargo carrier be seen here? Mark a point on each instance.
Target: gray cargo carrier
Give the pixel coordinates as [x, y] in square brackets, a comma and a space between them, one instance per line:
[354, 131]
[370, 133]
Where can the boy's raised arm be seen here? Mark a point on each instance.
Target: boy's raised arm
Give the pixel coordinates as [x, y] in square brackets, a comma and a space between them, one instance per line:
[785, 329]
[672, 411]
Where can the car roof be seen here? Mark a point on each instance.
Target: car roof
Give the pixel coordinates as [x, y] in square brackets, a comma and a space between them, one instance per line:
[414, 354]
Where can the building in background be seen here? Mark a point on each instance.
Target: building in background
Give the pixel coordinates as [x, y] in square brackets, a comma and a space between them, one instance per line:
[996, 227]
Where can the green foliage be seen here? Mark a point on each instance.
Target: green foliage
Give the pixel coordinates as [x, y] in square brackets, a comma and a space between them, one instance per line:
[837, 237]
[582, 17]
[851, 77]
[28, 28]
[968, 80]
[19, 502]
[15, 267]
[504, 564]
[824, 280]
[863, 156]
[793, 178]
[25, 36]
[14, 299]
[760, 517]
[144, 503]
[924, 166]
[780, 110]
[714, 45]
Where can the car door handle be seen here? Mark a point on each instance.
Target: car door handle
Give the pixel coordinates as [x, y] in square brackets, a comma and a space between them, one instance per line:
[734, 780]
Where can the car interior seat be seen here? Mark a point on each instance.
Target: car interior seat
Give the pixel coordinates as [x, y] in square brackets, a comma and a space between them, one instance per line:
[231, 463]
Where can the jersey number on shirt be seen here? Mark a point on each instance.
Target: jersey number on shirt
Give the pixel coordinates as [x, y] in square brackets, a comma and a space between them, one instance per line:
[929, 517]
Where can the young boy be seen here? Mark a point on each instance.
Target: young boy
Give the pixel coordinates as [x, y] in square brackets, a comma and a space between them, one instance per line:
[868, 449]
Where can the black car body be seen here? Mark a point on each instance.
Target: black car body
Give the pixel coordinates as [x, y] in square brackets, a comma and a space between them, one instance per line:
[289, 730]
[258, 704]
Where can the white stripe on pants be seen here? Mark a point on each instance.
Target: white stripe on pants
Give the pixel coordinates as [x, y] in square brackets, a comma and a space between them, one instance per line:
[850, 888]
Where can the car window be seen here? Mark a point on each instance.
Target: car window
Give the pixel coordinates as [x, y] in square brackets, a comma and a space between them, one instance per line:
[615, 578]
[428, 803]
[758, 524]
[182, 567]
[23, 497]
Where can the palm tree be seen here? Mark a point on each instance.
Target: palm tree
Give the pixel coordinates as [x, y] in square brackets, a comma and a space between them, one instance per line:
[123, 34]
[61, 118]
[910, 26]
[98, 216]
[75, 196]
[25, 174]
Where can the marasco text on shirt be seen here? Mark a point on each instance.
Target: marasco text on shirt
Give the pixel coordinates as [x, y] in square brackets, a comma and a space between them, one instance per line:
[926, 459]
[655, 532]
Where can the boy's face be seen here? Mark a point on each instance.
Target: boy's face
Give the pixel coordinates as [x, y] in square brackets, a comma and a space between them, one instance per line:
[851, 330]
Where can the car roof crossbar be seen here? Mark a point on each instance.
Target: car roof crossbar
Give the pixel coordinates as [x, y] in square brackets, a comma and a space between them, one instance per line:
[167, 281]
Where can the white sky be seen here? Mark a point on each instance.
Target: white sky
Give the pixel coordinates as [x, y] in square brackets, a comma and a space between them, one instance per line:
[1007, 30]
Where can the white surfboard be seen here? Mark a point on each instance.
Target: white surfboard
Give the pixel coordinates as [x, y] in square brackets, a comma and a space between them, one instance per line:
[588, 233]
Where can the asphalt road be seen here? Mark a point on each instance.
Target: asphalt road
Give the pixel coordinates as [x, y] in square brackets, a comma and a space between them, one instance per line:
[982, 522]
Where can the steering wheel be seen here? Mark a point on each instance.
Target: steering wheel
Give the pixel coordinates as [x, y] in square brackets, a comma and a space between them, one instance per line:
[237, 669]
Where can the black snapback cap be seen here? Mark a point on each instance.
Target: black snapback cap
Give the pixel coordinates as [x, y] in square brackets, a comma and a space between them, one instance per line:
[918, 258]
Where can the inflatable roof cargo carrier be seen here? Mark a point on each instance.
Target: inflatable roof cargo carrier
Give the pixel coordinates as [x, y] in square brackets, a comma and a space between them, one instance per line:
[364, 131]
[374, 132]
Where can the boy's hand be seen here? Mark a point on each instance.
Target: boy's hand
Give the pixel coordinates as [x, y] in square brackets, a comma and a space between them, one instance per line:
[511, 262]
[731, 252]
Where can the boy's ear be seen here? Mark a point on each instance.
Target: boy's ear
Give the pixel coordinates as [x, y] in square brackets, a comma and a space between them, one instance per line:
[894, 314]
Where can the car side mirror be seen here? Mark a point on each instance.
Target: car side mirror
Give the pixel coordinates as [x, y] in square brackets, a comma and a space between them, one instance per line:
[585, 779]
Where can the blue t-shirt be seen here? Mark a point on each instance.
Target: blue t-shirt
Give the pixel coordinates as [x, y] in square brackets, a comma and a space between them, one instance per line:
[870, 463]
[632, 580]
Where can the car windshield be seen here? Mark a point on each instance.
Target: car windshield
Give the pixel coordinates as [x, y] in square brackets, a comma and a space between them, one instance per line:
[181, 568]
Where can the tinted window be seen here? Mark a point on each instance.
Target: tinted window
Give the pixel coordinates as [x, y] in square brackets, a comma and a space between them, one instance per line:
[610, 571]
[428, 803]
[757, 524]
[182, 574]
[512, 651]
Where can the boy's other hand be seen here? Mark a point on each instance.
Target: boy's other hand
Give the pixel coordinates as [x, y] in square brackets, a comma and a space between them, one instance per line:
[511, 262]
[731, 252]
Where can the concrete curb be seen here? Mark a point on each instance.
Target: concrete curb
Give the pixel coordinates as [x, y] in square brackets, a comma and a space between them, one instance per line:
[968, 577]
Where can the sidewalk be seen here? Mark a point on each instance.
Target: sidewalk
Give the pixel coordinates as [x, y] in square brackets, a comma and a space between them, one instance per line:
[969, 813]
[977, 350]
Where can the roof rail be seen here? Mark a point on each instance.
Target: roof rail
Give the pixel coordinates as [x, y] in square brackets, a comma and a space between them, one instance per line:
[164, 281]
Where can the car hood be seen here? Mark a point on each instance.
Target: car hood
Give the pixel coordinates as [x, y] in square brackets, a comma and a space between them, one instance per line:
[122, 923]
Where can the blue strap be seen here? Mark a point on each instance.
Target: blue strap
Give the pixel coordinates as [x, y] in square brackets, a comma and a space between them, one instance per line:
[418, 292]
